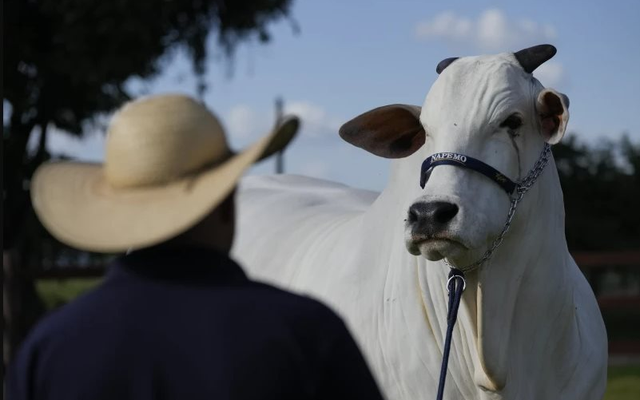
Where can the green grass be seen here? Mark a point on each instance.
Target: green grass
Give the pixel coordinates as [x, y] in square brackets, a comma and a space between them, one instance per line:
[56, 293]
[623, 383]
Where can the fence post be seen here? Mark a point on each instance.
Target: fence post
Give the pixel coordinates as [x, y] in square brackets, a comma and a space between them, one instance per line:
[280, 154]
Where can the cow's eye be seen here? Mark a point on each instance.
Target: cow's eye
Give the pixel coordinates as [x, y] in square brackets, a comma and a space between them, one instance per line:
[513, 122]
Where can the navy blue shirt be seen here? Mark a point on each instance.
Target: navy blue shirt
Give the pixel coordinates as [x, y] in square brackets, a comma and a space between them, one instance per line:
[188, 324]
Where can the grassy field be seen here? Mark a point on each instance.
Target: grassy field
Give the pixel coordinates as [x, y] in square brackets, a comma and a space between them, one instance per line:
[623, 382]
[56, 293]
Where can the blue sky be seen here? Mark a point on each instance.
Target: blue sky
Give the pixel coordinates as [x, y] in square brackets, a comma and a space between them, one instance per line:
[353, 56]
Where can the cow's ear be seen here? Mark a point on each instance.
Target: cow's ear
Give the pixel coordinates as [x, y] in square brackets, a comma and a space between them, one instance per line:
[553, 114]
[392, 131]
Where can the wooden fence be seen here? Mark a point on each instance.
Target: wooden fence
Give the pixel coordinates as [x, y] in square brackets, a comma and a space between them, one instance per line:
[615, 279]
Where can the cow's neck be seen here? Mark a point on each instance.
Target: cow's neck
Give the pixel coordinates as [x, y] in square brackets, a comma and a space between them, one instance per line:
[514, 305]
[521, 288]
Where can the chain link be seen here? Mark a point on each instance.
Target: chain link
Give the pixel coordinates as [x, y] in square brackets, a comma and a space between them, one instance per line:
[522, 187]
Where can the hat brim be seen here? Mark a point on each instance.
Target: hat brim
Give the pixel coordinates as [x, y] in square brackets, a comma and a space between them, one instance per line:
[75, 203]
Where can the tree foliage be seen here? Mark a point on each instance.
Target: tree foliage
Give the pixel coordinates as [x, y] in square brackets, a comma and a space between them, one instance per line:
[601, 186]
[66, 62]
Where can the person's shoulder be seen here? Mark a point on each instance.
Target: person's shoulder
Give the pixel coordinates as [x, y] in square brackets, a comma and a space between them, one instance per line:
[65, 318]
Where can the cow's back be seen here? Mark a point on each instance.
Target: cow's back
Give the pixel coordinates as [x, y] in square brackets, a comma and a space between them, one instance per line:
[298, 232]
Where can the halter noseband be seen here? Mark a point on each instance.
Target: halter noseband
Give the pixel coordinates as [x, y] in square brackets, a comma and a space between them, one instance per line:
[460, 160]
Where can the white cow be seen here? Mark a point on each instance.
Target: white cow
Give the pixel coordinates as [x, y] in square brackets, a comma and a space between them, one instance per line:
[529, 326]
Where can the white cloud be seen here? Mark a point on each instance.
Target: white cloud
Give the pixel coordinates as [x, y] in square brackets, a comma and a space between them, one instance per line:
[242, 121]
[315, 120]
[445, 24]
[550, 74]
[491, 31]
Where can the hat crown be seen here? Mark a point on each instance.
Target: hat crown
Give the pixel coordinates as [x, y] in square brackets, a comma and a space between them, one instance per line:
[159, 139]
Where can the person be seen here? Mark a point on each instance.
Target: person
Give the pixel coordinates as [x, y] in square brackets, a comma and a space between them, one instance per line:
[175, 318]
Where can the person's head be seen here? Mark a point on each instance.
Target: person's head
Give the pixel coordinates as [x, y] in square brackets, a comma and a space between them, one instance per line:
[168, 177]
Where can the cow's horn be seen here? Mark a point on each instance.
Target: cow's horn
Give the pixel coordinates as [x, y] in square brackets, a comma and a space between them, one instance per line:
[533, 57]
[444, 64]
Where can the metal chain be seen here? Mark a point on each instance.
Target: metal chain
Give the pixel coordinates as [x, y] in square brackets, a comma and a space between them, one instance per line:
[522, 187]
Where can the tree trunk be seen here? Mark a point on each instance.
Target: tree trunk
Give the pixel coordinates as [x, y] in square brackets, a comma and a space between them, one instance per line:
[22, 306]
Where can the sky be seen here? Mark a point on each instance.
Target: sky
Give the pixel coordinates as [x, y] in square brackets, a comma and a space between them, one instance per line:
[350, 57]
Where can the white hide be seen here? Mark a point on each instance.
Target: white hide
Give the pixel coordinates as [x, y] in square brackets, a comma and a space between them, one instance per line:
[529, 326]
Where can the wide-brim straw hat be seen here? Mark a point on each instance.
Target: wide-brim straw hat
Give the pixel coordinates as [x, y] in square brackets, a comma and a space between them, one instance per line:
[167, 166]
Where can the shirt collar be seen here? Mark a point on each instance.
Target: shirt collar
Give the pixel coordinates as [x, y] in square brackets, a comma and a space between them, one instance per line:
[191, 264]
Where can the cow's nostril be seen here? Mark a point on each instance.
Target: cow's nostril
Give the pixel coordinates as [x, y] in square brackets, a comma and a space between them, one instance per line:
[444, 212]
[413, 215]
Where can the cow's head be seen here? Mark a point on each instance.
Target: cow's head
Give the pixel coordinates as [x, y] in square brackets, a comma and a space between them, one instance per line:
[490, 108]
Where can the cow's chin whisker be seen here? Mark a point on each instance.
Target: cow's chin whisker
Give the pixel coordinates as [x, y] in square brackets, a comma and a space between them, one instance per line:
[413, 249]
[433, 255]
[436, 249]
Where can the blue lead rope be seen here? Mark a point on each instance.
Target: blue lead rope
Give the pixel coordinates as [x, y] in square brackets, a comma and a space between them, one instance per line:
[455, 286]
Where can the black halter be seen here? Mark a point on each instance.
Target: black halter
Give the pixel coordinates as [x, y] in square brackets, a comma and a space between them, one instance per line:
[460, 160]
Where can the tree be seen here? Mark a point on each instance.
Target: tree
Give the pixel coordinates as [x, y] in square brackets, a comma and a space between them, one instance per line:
[66, 62]
[601, 185]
